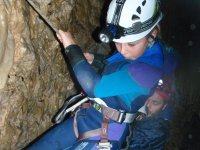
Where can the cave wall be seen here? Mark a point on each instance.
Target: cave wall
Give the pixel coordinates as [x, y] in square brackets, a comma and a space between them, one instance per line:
[34, 78]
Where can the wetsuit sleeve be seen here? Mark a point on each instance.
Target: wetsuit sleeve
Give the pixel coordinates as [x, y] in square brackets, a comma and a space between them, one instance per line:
[84, 72]
[74, 54]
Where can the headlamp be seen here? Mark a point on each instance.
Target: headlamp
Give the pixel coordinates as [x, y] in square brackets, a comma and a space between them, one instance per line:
[112, 31]
[109, 33]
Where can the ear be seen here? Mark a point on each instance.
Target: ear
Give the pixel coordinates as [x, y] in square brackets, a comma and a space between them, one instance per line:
[153, 35]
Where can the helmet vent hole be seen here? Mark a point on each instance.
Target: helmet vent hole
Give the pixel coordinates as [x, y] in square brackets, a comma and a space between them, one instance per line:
[144, 2]
[134, 17]
[139, 10]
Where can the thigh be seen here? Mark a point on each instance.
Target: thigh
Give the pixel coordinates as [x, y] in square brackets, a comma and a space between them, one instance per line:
[57, 138]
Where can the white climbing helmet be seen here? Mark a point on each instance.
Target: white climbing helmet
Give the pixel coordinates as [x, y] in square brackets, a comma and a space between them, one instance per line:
[131, 20]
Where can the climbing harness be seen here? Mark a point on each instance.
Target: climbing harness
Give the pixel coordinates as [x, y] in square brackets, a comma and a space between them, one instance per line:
[74, 104]
[69, 106]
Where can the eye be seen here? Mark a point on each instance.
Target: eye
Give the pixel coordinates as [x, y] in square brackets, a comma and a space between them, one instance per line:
[131, 44]
[155, 103]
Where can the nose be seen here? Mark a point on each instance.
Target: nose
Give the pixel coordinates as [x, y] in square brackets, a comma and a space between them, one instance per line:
[122, 48]
[148, 105]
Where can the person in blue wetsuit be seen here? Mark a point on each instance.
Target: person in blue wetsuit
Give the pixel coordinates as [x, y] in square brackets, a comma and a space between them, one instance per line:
[131, 73]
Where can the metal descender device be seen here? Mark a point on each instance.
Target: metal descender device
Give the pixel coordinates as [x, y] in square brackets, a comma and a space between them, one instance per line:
[69, 106]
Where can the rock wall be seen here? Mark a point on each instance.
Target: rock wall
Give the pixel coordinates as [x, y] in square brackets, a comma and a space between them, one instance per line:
[34, 78]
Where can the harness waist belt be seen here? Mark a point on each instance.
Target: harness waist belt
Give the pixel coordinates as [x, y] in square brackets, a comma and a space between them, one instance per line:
[119, 116]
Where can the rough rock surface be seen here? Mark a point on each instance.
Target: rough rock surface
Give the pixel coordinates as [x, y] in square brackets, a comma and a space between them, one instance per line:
[34, 78]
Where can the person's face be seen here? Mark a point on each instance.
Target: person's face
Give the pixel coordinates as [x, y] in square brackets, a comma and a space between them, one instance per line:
[132, 50]
[154, 104]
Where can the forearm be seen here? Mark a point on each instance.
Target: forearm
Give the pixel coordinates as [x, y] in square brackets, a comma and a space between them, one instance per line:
[85, 74]
[74, 54]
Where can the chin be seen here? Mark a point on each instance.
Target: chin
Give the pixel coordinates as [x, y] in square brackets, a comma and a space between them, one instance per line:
[131, 58]
[128, 57]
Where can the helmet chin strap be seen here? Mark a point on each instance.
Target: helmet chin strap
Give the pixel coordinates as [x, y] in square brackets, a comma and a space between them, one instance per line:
[151, 40]
[151, 37]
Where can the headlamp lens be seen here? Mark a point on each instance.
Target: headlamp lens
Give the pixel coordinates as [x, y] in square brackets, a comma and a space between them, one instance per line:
[109, 33]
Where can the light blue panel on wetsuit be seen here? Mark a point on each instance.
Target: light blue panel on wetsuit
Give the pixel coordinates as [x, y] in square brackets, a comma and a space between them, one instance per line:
[121, 84]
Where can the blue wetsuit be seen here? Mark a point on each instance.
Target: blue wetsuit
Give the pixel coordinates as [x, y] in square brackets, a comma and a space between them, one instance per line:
[121, 85]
